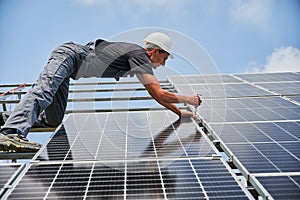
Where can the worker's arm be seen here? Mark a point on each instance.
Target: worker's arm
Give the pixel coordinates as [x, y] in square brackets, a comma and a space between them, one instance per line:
[167, 98]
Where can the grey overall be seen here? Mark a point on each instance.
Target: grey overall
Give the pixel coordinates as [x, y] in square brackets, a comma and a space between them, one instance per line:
[45, 102]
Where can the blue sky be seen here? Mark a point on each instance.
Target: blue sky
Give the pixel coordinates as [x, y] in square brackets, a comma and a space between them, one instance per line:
[239, 35]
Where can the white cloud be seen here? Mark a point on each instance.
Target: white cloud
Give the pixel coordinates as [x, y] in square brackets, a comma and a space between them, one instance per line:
[283, 59]
[253, 11]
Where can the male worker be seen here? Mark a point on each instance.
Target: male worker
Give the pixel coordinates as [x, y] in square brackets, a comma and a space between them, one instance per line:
[46, 101]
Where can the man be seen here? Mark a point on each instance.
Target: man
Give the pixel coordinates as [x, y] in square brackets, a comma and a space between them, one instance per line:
[46, 101]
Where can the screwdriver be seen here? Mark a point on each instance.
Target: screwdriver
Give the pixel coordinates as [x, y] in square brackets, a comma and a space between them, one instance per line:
[199, 96]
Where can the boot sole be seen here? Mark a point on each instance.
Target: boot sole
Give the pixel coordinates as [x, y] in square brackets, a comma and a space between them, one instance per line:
[17, 145]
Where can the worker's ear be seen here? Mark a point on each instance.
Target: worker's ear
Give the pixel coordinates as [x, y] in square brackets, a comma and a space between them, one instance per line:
[155, 50]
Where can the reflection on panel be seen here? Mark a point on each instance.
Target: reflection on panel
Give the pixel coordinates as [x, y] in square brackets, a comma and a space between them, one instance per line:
[119, 136]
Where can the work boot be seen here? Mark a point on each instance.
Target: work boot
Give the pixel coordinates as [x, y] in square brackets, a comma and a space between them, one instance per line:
[16, 142]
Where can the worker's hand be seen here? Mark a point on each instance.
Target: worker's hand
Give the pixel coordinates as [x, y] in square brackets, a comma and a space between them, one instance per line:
[195, 100]
[186, 114]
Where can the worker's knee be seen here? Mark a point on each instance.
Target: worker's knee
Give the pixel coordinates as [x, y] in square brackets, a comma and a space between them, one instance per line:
[53, 121]
[54, 124]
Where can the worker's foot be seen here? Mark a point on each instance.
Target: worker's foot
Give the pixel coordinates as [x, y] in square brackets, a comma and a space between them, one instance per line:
[17, 143]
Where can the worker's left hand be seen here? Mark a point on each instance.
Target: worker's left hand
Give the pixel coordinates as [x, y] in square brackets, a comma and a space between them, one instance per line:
[186, 114]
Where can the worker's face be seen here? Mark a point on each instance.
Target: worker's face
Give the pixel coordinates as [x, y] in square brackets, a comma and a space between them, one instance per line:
[157, 58]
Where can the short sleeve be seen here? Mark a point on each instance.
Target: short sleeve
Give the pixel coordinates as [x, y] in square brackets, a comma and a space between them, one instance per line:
[140, 64]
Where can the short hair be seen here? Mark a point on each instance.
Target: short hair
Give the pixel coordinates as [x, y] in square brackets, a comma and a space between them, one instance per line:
[151, 46]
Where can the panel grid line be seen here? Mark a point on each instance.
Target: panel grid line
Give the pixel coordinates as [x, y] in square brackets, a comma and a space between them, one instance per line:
[125, 175]
[102, 133]
[159, 170]
[53, 181]
[89, 181]
[193, 169]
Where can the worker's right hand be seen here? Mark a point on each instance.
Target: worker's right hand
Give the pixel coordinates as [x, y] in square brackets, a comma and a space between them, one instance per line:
[195, 100]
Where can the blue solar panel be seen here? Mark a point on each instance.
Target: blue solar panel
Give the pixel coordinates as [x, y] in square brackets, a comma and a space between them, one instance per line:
[257, 128]
[285, 88]
[152, 179]
[111, 136]
[8, 174]
[248, 109]
[270, 77]
[136, 155]
[222, 90]
[203, 79]
[281, 187]
[153, 155]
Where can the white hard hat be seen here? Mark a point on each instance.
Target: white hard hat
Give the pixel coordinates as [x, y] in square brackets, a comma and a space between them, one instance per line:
[161, 40]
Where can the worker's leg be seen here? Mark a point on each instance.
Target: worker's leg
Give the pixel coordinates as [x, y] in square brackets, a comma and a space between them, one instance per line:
[40, 96]
[53, 115]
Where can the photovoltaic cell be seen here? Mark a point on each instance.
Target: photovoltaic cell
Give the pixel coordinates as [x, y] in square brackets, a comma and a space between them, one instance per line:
[261, 133]
[222, 90]
[281, 187]
[270, 77]
[274, 145]
[295, 98]
[169, 179]
[248, 109]
[251, 159]
[120, 136]
[136, 155]
[7, 172]
[203, 79]
[258, 132]
[152, 155]
[283, 88]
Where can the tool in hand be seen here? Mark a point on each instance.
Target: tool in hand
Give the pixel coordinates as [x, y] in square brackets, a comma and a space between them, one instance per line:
[199, 96]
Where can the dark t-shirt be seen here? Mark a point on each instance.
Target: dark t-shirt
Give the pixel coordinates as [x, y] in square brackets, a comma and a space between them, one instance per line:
[114, 60]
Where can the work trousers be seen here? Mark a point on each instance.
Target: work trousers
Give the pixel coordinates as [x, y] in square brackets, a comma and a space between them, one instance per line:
[45, 102]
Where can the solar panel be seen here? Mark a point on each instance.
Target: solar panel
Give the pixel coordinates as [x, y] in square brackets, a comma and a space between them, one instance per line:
[283, 88]
[8, 173]
[111, 136]
[281, 187]
[153, 179]
[262, 147]
[153, 155]
[295, 98]
[266, 157]
[270, 77]
[258, 130]
[222, 90]
[248, 109]
[202, 79]
[128, 155]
